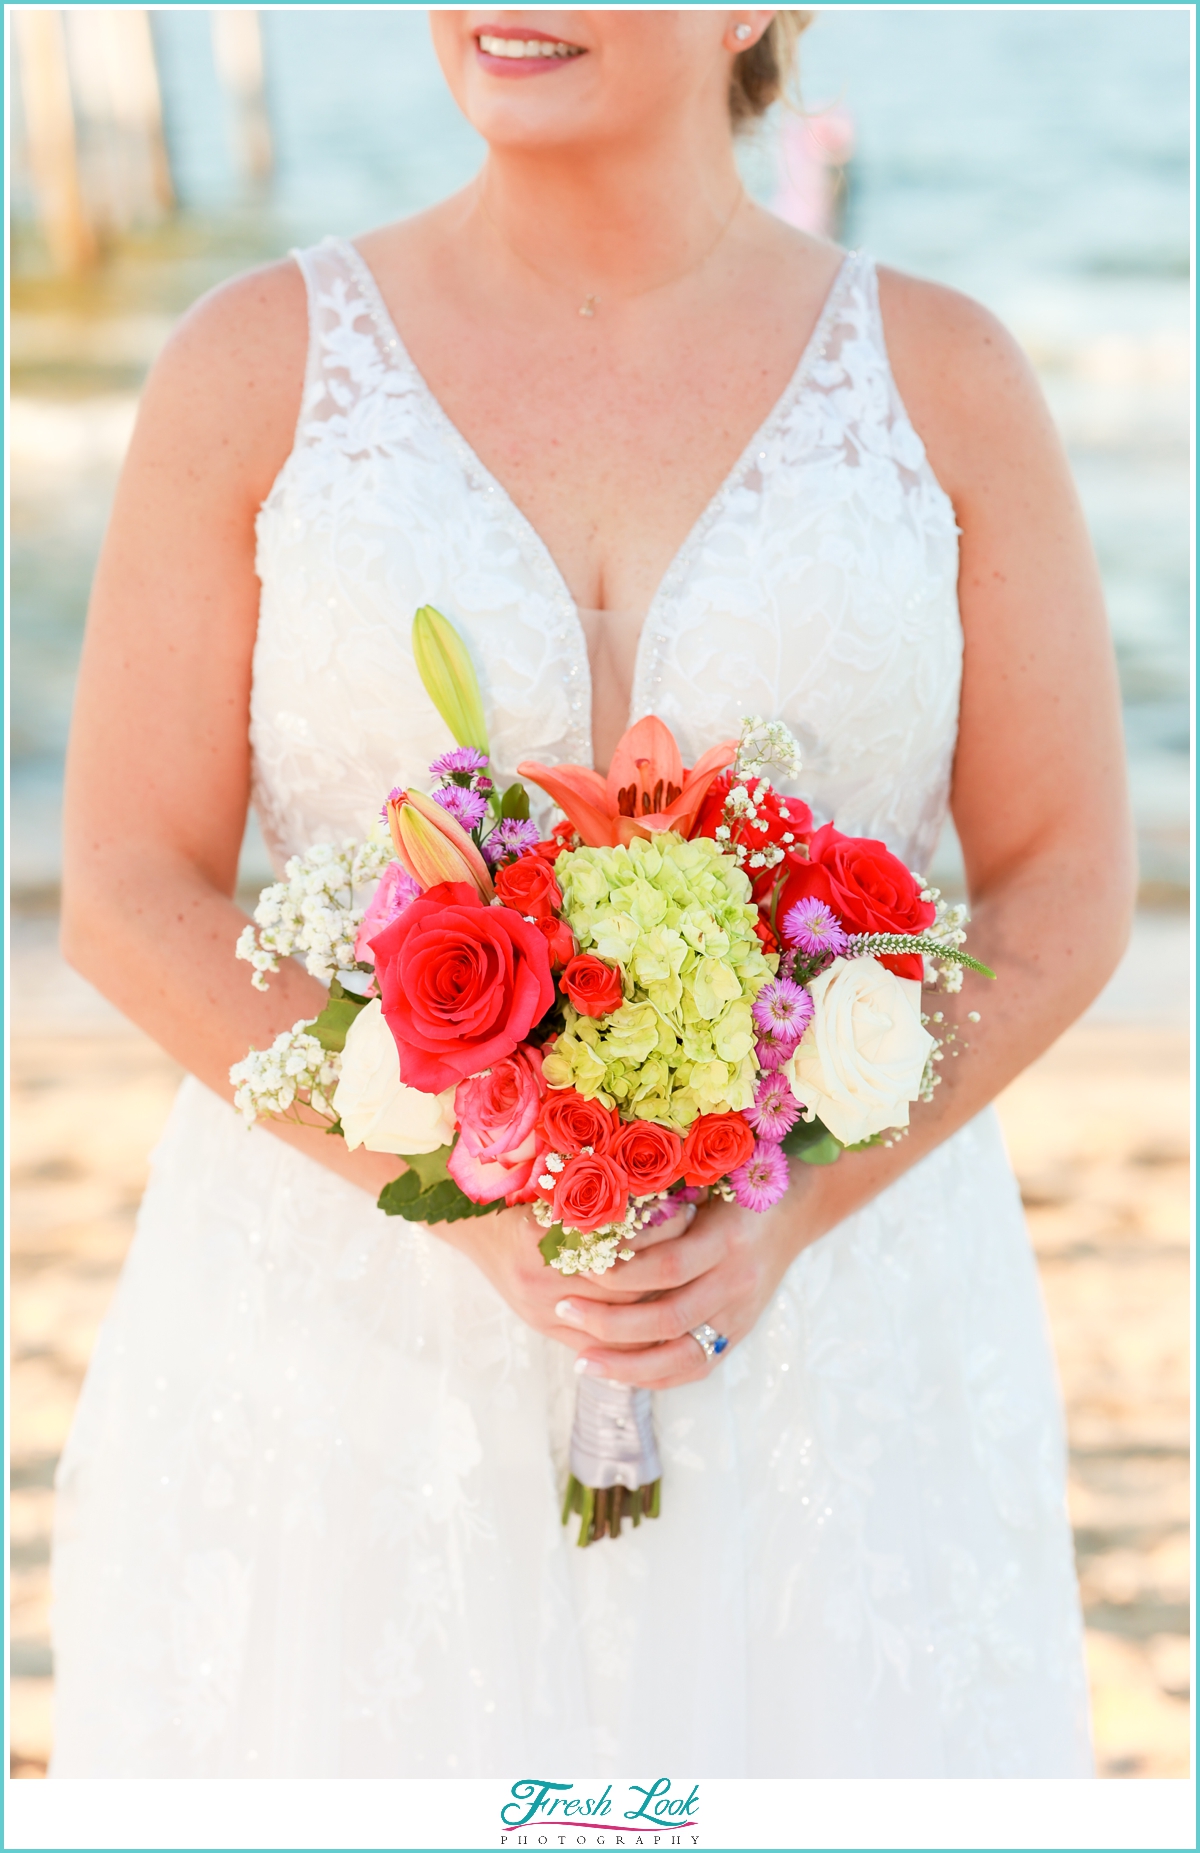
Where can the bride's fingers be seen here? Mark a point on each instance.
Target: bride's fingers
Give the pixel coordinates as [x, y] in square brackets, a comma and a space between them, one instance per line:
[673, 1264]
[658, 1367]
[642, 1322]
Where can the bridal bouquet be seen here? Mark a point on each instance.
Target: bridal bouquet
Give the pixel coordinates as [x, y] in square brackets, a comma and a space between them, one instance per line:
[681, 990]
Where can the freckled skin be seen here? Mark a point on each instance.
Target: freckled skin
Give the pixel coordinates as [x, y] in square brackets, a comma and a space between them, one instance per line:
[613, 176]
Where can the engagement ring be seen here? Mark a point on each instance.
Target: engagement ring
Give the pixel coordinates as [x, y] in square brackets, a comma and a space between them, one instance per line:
[709, 1340]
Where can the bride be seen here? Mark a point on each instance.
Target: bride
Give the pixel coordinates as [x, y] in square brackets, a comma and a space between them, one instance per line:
[651, 450]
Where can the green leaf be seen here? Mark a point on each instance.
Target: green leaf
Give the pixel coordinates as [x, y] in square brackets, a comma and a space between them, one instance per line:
[333, 1024]
[424, 1193]
[812, 1143]
[515, 803]
[395, 1198]
[826, 1151]
[429, 1167]
[553, 1243]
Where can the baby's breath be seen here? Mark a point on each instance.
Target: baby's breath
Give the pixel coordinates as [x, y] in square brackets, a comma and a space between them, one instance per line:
[295, 1071]
[316, 910]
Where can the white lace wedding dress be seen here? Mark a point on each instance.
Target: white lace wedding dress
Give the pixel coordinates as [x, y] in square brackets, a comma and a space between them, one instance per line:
[308, 1517]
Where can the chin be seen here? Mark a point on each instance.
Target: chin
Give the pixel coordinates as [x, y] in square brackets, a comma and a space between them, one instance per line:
[603, 77]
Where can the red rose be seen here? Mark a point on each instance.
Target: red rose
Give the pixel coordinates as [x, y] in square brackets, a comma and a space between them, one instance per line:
[551, 848]
[569, 1123]
[560, 941]
[868, 888]
[592, 986]
[650, 1155]
[497, 1147]
[462, 984]
[590, 1192]
[766, 938]
[716, 1144]
[528, 885]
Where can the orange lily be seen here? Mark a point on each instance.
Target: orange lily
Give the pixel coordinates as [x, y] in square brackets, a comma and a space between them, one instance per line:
[648, 788]
[432, 845]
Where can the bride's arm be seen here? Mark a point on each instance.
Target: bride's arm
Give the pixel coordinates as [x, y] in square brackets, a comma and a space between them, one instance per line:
[158, 771]
[159, 762]
[1039, 800]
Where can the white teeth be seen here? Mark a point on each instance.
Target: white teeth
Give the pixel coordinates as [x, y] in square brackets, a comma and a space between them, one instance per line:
[526, 48]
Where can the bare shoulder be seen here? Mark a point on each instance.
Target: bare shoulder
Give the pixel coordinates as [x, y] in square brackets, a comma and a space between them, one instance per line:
[229, 381]
[965, 381]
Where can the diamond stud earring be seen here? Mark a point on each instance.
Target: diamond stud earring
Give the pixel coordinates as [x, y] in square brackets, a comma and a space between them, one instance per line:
[742, 32]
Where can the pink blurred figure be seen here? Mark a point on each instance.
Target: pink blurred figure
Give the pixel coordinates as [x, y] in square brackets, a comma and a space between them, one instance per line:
[813, 150]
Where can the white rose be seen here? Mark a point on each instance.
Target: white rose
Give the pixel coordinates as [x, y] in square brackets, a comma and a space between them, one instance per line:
[372, 1102]
[860, 1061]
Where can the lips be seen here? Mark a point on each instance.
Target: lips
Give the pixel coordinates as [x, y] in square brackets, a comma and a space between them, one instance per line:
[515, 51]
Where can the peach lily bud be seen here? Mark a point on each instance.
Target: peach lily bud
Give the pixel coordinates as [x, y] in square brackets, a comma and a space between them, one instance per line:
[449, 677]
[432, 845]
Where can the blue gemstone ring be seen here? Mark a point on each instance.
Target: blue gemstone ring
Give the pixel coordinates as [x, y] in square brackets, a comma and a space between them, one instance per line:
[709, 1340]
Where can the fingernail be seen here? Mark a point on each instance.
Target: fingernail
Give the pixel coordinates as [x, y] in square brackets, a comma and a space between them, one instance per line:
[582, 1366]
[689, 1215]
[565, 1310]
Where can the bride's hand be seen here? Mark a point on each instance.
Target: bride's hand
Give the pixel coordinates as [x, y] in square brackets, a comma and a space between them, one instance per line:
[721, 1273]
[505, 1248]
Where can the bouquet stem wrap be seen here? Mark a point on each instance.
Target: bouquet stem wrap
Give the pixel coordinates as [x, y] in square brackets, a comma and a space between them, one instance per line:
[614, 1459]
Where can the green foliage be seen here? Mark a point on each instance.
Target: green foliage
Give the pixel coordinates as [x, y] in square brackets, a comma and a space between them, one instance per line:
[426, 1193]
[553, 1243]
[515, 803]
[812, 1143]
[332, 1026]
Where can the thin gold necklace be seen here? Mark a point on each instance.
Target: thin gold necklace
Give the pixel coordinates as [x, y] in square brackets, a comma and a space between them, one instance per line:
[591, 301]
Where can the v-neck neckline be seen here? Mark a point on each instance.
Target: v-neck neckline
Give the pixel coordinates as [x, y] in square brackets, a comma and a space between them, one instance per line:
[398, 356]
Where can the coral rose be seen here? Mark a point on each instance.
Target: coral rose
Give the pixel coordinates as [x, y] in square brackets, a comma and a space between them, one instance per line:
[498, 1141]
[650, 1155]
[462, 984]
[868, 888]
[716, 1144]
[590, 1192]
[560, 941]
[569, 1123]
[592, 986]
[528, 885]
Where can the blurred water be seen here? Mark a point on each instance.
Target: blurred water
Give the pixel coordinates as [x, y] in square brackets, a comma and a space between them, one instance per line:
[1037, 159]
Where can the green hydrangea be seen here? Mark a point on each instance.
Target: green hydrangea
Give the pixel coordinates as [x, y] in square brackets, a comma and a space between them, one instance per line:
[678, 919]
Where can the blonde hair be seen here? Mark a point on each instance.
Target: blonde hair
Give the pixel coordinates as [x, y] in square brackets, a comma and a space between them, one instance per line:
[762, 72]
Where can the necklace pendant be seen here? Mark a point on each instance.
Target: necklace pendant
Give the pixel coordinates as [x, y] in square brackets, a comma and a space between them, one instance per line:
[588, 305]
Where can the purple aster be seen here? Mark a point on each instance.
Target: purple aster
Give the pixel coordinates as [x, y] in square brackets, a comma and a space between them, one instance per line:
[782, 1011]
[762, 1180]
[467, 807]
[814, 927]
[459, 759]
[775, 1110]
[511, 837]
[771, 1054]
[394, 796]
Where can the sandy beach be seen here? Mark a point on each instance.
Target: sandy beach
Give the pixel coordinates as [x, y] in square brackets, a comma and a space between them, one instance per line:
[1098, 1130]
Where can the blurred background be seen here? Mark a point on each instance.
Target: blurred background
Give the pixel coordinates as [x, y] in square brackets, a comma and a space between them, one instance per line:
[1038, 160]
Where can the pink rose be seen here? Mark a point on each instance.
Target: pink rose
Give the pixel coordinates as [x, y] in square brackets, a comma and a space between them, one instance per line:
[395, 890]
[498, 1143]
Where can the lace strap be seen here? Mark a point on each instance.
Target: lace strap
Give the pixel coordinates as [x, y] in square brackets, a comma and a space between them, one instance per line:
[346, 346]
